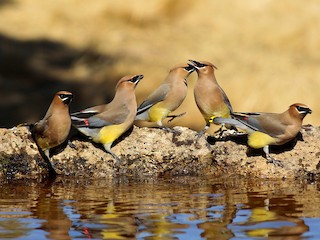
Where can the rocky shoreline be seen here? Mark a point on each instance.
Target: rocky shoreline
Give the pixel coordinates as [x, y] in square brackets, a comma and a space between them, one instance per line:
[155, 152]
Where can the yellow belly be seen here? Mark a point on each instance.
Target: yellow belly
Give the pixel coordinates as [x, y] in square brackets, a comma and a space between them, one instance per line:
[110, 133]
[158, 113]
[260, 140]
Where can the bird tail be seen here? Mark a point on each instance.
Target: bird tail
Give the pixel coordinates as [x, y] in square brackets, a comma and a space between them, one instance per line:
[142, 115]
[79, 122]
[232, 121]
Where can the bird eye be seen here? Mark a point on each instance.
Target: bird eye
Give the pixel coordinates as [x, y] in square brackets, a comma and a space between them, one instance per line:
[62, 96]
[301, 109]
[66, 98]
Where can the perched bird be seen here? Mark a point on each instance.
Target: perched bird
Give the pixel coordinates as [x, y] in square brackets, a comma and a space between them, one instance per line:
[105, 123]
[167, 97]
[54, 128]
[266, 129]
[209, 96]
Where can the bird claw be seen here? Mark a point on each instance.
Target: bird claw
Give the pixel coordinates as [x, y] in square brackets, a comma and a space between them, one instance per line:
[169, 129]
[220, 131]
[274, 161]
[200, 134]
[71, 145]
[175, 116]
[116, 158]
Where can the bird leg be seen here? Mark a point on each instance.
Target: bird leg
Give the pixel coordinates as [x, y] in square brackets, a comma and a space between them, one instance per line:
[221, 130]
[107, 147]
[118, 160]
[270, 159]
[52, 169]
[230, 131]
[175, 116]
[201, 133]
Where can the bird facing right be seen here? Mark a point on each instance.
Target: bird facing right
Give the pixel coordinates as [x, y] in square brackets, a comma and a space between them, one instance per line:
[266, 129]
[54, 128]
[105, 123]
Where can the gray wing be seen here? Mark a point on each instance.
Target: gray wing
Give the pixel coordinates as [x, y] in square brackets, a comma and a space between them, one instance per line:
[112, 117]
[226, 100]
[157, 96]
[89, 112]
[263, 122]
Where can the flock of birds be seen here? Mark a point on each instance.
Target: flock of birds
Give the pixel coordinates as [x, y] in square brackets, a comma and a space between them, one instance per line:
[105, 123]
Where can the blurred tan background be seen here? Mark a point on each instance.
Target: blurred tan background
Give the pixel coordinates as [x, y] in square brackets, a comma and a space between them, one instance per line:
[266, 51]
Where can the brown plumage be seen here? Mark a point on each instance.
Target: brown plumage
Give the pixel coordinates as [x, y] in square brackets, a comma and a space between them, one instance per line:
[266, 129]
[167, 97]
[54, 128]
[209, 96]
[105, 123]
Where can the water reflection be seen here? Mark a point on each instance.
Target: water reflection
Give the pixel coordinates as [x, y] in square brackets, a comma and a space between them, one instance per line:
[181, 208]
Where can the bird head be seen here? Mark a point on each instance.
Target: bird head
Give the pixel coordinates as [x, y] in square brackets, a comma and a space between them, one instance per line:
[190, 69]
[182, 70]
[202, 66]
[129, 80]
[136, 79]
[300, 110]
[65, 97]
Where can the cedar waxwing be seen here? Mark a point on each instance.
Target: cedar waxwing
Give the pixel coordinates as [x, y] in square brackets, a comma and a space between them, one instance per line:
[167, 97]
[54, 128]
[266, 129]
[209, 96]
[105, 123]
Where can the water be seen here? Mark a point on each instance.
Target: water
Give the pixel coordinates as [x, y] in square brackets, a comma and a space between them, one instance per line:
[178, 208]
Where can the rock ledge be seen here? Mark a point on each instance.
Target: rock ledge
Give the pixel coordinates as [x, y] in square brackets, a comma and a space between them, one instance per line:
[150, 151]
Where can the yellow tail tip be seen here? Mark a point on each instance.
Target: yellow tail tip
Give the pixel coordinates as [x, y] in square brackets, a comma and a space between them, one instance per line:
[212, 119]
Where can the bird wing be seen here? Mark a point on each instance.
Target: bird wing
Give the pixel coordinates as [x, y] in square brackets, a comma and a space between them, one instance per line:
[226, 100]
[89, 112]
[234, 122]
[110, 117]
[157, 96]
[269, 123]
[40, 127]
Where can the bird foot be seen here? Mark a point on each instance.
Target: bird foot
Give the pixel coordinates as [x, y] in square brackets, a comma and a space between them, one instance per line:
[175, 116]
[220, 133]
[274, 161]
[71, 145]
[116, 158]
[200, 134]
[169, 129]
[52, 169]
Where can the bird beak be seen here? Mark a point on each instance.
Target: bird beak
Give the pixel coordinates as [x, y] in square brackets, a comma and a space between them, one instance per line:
[190, 68]
[136, 79]
[196, 64]
[308, 111]
[303, 110]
